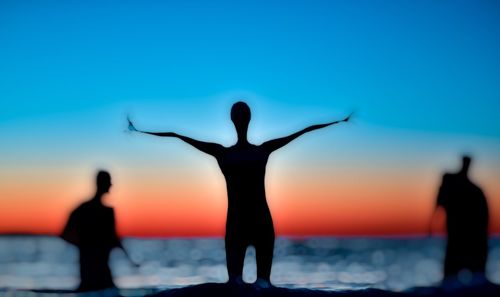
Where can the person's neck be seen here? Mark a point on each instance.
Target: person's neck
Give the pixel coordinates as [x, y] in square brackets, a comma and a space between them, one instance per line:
[98, 197]
[242, 141]
[242, 138]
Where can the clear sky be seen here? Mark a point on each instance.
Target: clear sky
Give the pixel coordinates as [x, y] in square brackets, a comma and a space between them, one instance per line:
[423, 76]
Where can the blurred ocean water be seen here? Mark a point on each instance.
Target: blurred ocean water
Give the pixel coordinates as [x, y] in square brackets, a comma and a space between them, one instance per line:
[318, 262]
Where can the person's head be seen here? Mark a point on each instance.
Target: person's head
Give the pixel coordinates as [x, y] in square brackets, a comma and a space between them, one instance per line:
[466, 160]
[240, 115]
[103, 181]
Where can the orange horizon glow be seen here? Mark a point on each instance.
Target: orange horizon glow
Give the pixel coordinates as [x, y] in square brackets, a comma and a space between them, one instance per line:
[340, 206]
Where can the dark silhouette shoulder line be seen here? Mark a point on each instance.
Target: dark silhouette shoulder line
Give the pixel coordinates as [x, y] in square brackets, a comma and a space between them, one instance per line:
[467, 220]
[91, 228]
[243, 165]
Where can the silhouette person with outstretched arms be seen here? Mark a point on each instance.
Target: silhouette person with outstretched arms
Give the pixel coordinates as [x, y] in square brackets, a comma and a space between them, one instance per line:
[91, 228]
[243, 165]
[466, 211]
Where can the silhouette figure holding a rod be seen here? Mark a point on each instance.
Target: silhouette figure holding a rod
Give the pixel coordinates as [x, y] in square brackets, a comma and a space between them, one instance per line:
[466, 222]
[243, 165]
[91, 227]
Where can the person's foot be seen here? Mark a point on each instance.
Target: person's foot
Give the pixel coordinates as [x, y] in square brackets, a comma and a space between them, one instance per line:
[237, 280]
[261, 283]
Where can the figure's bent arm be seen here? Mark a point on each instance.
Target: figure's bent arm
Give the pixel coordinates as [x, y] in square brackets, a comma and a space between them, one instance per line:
[432, 220]
[70, 234]
[117, 241]
[275, 144]
[441, 203]
[210, 148]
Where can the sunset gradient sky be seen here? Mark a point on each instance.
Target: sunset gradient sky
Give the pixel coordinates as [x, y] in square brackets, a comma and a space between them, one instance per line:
[423, 76]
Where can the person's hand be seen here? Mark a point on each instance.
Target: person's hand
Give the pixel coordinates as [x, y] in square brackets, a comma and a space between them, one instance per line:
[348, 117]
[131, 126]
[132, 262]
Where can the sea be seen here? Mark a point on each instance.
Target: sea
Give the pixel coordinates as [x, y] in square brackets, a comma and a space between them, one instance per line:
[327, 263]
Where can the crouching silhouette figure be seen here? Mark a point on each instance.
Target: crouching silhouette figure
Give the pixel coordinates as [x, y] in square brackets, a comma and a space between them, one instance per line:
[466, 222]
[91, 227]
[243, 165]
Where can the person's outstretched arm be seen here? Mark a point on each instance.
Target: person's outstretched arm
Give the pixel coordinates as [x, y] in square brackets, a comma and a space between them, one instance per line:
[275, 144]
[210, 148]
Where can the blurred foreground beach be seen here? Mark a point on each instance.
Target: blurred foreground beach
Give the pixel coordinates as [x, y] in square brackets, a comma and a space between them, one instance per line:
[322, 263]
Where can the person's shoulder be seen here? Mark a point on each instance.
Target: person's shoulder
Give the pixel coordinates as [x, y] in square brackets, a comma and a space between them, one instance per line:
[231, 147]
[91, 206]
[475, 187]
[81, 207]
[452, 176]
[80, 211]
[109, 210]
[448, 176]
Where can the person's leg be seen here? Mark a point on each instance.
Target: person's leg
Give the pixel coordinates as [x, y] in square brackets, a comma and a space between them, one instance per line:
[264, 248]
[94, 272]
[235, 256]
[454, 260]
[477, 254]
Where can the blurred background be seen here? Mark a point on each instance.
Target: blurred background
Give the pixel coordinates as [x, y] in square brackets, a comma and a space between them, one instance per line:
[422, 77]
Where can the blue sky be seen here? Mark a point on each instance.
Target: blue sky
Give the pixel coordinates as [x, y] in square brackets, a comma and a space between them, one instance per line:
[74, 68]
[424, 65]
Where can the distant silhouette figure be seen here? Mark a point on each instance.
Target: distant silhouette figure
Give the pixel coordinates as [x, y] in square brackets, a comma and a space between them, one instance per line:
[91, 227]
[243, 165]
[466, 222]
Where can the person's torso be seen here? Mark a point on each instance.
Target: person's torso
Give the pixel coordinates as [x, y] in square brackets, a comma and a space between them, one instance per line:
[96, 227]
[244, 169]
[466, 207]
